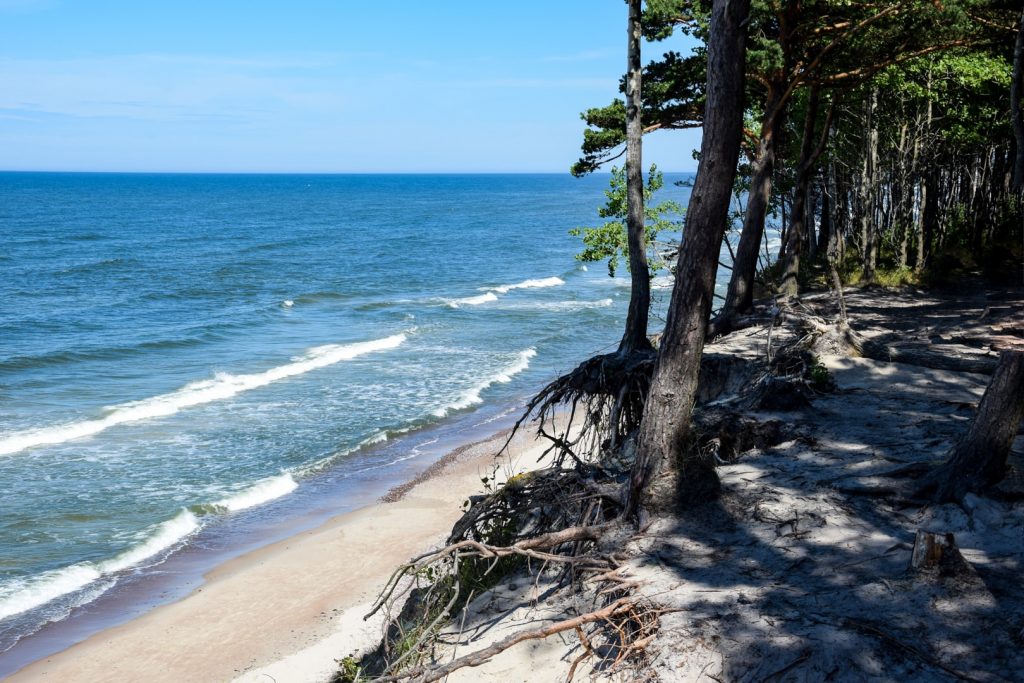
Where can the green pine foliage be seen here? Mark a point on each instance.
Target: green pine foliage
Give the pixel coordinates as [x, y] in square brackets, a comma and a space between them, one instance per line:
[608, 241]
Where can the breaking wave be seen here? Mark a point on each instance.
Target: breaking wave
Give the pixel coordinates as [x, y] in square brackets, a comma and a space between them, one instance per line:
[471, 396]
[22, 596]
[222, 386]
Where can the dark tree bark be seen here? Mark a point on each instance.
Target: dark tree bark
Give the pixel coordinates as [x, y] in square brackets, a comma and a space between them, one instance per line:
[979, 459]
[869, 186]
[740, 295]
[635, 336]
[668, 411]
[927, 211]
[825, 227]
[1015, 111]
[809, 154]
[929, 215]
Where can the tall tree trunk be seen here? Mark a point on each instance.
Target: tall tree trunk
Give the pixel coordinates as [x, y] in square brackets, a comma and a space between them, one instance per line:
[929, 216]
[899, 199]
[1015, 109]
[667, 413]
[979, 459]
[825, 227]
[869, 183]
[795, 234]
[811, 229]
[635, 336]
[927, 207]
[740, 295]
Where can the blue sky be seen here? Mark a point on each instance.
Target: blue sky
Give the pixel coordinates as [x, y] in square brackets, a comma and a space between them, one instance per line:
[310, 86]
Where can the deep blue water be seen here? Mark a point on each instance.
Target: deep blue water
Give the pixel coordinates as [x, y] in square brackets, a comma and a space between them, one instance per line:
[176, 350]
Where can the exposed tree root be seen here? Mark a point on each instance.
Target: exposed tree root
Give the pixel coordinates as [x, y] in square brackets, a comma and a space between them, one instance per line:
[839, 338]
[611, 390]
[539, 521]
[631, 624]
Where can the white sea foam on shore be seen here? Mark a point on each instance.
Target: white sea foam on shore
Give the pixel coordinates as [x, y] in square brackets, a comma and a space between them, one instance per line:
[23, 595]
[261, 492]
[222, 386]
[471, 396]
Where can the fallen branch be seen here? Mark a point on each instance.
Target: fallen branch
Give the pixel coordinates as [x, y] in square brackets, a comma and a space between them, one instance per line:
[426, 674]
[529, 548]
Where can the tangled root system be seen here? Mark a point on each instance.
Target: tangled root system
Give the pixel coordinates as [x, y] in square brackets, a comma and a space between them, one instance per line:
[610, 390]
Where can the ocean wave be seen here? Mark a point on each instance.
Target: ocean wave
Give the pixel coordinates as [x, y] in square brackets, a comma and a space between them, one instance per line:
[565, 306]
[92, 266]
[316, 297]
[529, 284]
[491, 293]
[663, 282]
[165, 536]
[222, 386]
[46, 587]
[261, 492]
[471, 396]
[379, 437]
[29, 361]
[22, 596]
[471, 300]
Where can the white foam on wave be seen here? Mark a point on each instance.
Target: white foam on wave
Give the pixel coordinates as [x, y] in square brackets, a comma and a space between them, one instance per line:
[261, 492]
[287, 303]
[471, 396]
[567, 306]
[45, 587]
[165, 535]
[472, 300]
[663, 282]
[222, 386]
[379, 437]
[22, 596]
[530, 284]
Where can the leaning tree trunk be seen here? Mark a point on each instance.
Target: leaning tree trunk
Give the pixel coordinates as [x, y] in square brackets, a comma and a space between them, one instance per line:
[667, 413]
[978, 460]
[1015, 111]
[635, 336]
[740, 296]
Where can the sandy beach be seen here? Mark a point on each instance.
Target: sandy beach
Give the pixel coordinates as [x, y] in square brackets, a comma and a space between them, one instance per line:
[289, 610]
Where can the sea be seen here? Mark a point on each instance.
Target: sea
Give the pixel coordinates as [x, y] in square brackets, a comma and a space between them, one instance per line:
[192, 365]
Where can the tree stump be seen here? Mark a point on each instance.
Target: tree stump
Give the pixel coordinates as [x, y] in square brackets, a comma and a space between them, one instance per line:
[938, 551]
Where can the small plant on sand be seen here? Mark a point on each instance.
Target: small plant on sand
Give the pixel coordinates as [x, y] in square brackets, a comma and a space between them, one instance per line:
[348, 670]
[819, 377]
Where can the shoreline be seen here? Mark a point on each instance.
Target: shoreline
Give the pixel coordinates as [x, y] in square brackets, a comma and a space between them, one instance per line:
[263, 607]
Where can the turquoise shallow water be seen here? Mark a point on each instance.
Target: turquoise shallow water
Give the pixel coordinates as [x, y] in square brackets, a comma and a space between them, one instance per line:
[177, 351]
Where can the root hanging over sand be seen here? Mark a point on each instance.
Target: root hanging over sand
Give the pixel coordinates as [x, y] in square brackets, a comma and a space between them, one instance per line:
[610, 390]
[554, 523]
[626, 626]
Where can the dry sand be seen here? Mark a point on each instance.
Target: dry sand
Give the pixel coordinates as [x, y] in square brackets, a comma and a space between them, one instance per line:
[286, 612]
